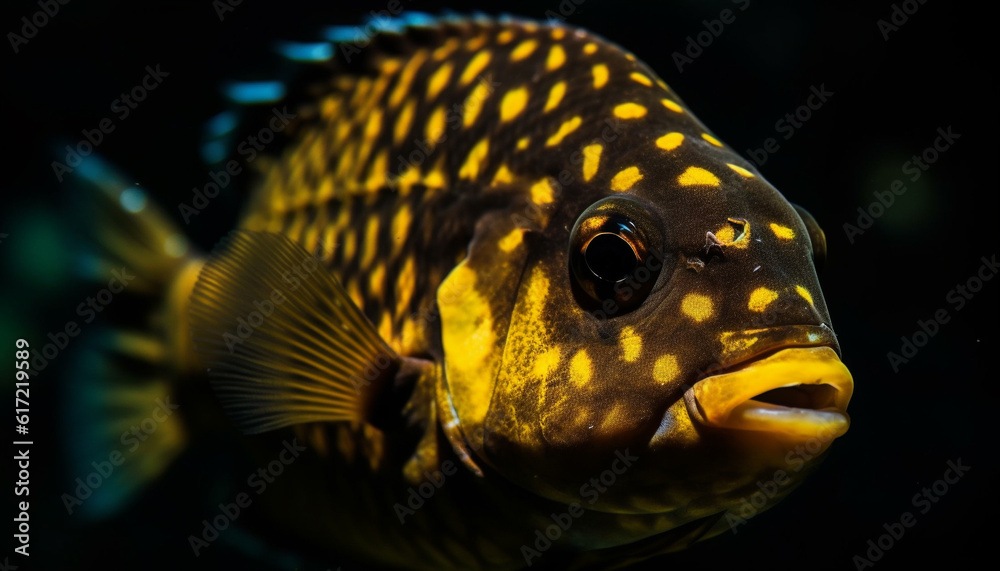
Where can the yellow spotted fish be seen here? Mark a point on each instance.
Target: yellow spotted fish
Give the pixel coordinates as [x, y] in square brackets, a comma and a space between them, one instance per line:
[517, 303]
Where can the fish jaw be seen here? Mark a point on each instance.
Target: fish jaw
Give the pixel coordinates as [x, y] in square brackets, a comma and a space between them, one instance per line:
[800, 392]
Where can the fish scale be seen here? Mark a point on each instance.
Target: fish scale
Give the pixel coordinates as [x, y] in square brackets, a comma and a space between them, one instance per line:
[507, 252]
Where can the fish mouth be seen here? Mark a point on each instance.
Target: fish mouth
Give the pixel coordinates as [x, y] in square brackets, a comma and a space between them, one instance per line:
[802, 392]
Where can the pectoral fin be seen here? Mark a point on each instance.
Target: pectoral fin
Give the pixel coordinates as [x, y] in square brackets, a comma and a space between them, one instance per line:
[283, 341]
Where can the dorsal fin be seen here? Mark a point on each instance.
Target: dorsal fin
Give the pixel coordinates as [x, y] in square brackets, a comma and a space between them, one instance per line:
[307, 65]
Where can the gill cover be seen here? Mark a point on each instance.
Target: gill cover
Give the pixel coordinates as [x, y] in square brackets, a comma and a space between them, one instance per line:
[476, 301]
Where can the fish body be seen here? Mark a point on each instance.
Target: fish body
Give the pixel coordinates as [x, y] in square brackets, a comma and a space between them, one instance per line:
[500, 281]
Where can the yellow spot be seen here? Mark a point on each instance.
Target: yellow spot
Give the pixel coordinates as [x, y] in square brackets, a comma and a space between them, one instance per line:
[523, 50]
[371, 242]
[505, 37]
[405, 284]
[591, 160]
[410, 338]
[672, 106]
[555, 96]
[385, 326]
[640, 78]
[330, 107]
[522, 143]
[727, 234]
[670, 141]
[343, 129]
[557, 57]
[445, 49]
[380, 167]
[541, 192]
[698, 307]
[625, 179]
[376, 279]
[804, 293]
[782, 232]
[325, 191]
[400, 227]
[473, 162]
[711, 139]
[512, 240]
[475, 43]
[364, 85]
[600, 72]
[590, 48]
[403, 121]
[503, 176]
[406, 180]
[742, 171]
[565, 129]
[435, 125]
[350, 245]
[476, 65]
[631, 344]
[474, 103]
[513, 103]
[438, 80]
[581, 368]
[406, 77]
[390, 66]
[558, 33]
[435, 177]
[695, 176]
[629, 111]
[374, 125]
[665, 369]
[760, 298]
[546, 363]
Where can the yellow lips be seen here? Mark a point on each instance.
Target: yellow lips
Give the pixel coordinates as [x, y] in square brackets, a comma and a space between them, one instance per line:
[801, 392]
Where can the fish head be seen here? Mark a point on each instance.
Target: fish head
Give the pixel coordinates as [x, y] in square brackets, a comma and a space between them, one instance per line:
[668, 311]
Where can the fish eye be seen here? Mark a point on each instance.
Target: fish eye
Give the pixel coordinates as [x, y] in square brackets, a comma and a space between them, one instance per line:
[614, 262]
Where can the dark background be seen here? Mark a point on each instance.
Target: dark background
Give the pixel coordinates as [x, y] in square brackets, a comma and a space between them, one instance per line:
[889, 99]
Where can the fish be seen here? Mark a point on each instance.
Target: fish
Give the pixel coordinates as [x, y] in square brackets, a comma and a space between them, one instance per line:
[497, 299]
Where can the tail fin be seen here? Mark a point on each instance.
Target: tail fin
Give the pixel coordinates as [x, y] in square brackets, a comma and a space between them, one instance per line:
[121, 412]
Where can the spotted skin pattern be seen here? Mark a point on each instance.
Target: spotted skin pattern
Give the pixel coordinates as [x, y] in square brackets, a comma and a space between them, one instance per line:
[438, 177]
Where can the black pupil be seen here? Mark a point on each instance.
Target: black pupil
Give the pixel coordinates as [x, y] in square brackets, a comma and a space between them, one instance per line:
[610, 257]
